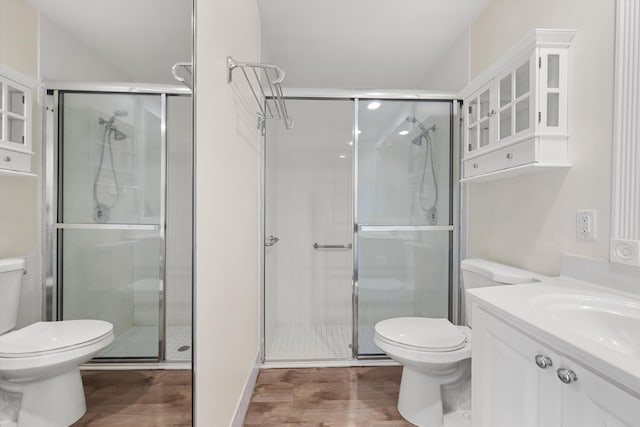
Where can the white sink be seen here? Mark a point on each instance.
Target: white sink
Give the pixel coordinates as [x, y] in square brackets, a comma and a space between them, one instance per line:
[613, 322]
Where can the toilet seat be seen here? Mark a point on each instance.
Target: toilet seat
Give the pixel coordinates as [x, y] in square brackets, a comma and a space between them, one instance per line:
[46, 338]
[421, 334]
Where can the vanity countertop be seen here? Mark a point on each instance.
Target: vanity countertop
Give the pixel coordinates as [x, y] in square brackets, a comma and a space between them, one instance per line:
[596, 326]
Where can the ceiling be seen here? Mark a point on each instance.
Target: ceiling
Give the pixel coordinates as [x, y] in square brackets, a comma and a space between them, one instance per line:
[362, 44]
[143, 38]
[354, 44]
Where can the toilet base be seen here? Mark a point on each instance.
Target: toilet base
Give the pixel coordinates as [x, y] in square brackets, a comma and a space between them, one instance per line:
[420, 400]
[51, 402]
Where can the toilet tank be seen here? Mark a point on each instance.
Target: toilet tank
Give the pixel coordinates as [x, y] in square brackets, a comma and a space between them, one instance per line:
[11, 271]
[480, 273]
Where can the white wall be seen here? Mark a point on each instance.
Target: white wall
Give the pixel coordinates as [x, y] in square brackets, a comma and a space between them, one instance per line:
[228, 241]
[19, 215]
[64, 57]
[451, 72]
[529, 221]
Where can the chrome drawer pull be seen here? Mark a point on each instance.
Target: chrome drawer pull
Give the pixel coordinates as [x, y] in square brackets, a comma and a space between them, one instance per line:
[7, 159]
[475, 166]
[567, 376]
[509, 156]
[543, 362]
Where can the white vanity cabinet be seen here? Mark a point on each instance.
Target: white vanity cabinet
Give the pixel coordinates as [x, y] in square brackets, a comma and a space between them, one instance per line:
[516, 381]
[15, 127]
[515, 113]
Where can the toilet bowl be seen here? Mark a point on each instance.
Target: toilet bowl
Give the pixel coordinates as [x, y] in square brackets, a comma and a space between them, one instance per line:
[40, 384]
[436, 354]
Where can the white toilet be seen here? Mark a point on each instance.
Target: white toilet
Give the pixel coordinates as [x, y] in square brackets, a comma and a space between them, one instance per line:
[436, 354]
[40, 384]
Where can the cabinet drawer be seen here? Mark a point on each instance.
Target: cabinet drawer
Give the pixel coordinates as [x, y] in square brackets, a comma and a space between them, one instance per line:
[15, 161]
[503, 158]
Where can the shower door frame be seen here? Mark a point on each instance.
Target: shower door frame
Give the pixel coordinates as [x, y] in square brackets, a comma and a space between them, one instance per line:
[454, 300]
[52, 307]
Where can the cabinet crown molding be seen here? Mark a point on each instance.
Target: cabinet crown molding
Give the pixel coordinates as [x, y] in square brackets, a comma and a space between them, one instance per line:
[540, 37]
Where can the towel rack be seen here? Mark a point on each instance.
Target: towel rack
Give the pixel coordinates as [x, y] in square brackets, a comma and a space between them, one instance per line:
[183, 72]
[265, 83]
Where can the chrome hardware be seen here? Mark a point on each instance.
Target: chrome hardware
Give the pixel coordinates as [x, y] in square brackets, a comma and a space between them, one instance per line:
[475, 166]
[543, 362]
[186, 69]
[318, 246]
[509, 156]
[492, 113]
[271, 240]
[265, 84]
[567, 376]
[539, 116]
[6, 158]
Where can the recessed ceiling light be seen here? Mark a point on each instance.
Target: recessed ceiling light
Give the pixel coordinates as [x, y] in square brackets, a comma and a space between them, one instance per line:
[342, 156]
[373, 105]
[350, 143]
[403, 132]
[359, 131]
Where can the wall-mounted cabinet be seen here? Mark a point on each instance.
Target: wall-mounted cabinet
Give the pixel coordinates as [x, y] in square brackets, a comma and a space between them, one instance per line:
[15, 127]
[515, 112]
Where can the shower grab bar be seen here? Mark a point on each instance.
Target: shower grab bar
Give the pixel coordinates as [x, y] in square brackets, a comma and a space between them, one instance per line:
[318, 246]
[265, 84]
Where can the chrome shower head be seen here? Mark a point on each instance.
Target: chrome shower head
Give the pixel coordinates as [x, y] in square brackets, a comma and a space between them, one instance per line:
[414, 120]
[119, 135]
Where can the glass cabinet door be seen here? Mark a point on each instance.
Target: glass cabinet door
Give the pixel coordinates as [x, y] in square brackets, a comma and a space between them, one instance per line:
[14, 101]
[553, 69]
[479, 113]
[515, 109]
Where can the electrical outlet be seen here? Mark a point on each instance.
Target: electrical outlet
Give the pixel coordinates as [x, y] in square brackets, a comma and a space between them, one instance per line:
[586, 225]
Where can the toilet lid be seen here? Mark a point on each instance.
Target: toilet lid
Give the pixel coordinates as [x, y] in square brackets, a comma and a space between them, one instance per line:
[437, 335]
[50, 337]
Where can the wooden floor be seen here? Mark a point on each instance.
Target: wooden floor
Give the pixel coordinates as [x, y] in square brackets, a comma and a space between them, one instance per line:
[326, 397]
[149, 398]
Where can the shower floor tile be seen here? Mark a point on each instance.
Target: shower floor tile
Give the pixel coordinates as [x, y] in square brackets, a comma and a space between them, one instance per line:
[142, 341]
[310, 342]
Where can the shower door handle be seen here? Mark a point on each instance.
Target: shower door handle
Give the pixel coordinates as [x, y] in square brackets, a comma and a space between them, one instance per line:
[271, 240]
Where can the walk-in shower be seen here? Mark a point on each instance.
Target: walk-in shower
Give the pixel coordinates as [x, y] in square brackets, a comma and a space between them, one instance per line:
[118, 215]
[359, 223]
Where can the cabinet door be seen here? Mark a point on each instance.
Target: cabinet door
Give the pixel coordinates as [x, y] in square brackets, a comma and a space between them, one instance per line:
[552, 117]
[15, 110]
[591, 401]
[508, 388]
[479, 111]
[516, 101]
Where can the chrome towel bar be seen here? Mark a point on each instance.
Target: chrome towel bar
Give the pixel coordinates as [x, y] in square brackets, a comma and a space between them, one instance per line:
[318, 246]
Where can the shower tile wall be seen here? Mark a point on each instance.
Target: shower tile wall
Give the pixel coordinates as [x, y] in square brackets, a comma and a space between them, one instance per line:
[105, 272]
[402, 272]
[309, 200]
[179, 213]
[115, 275]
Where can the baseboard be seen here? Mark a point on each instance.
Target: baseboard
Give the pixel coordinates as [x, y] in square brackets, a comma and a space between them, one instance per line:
[243, 405]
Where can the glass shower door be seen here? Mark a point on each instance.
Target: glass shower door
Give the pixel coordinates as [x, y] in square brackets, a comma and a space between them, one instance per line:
[308, 233]
[404, 214]
[110, 216]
